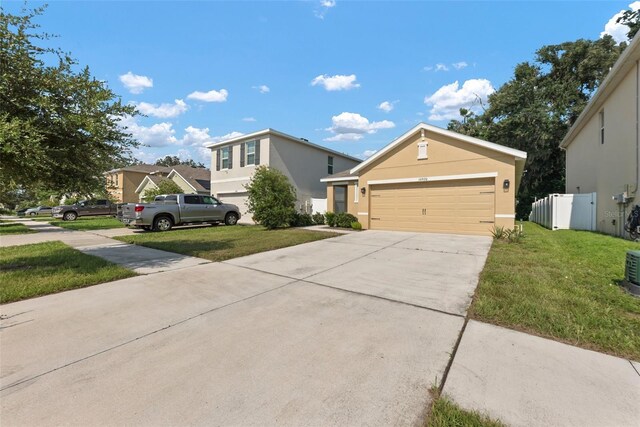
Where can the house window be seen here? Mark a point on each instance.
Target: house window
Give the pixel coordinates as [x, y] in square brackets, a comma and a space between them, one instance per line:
[355, 193]
[251, 153]
[602, 127]
[340, 199]
[224, 153]
[422, 150]
[330, 166]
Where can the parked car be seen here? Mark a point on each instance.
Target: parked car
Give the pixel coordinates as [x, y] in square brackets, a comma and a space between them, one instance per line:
[178, 209]
[92, 207]
[39, 210]
[21, 212]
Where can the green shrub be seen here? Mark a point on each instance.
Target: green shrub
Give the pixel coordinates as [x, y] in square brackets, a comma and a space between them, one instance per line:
[344, 220]
[331, 219]
[301, 220]
[271, 198]
[318, 218]
[356, 225]
[497, 232]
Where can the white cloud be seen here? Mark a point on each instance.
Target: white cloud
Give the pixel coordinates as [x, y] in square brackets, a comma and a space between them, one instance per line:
[163, 111]
[337, 82]
[441, 67]
[262, 88]
[323, 8]
[460, 65]
[353, 127]
[447, 101]
[616, 30]
[156, 135]
[368, 153]
[386, 106]
[211, 96]
[249, 119]
[135, 83]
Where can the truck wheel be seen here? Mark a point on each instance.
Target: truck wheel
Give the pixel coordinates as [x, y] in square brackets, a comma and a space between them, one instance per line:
[231, 219]
[162, 223]
[70, 216]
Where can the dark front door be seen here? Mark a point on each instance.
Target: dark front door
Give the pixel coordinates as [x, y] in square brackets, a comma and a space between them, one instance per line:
[340, 199]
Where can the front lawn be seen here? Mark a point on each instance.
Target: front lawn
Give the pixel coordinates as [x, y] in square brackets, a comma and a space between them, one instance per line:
[224, 242]
[29, 271]
[85, 223]
[563, 285]
[10, 227]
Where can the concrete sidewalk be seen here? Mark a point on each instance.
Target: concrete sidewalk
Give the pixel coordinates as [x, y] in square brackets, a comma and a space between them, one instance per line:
[140, 259]
[525, 380]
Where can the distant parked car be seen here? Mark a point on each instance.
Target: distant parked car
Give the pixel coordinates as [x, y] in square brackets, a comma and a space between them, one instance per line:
[38, 210]
[22, 211]
[94, 207]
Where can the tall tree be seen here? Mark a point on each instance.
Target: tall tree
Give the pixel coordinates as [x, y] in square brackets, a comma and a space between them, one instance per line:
[176, 161]
[59, 126]
[535, 109]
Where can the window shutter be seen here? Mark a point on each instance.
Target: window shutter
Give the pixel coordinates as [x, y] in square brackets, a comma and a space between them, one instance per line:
[257, 155]
[231, 157]
[218, 156]
[242, 151]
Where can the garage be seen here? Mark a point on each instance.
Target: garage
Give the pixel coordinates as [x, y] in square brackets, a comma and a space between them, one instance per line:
[432, 180]
[457, 206]
[240, 200]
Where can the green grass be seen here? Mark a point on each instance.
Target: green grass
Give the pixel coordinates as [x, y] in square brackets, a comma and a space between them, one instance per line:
[445, 413]
[84, 223]
[10, 227]
[29, 271]
[224, 242]
[563, 285]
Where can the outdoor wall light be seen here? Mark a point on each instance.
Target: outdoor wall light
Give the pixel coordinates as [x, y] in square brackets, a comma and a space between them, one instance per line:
[363, 190]
[506, 184]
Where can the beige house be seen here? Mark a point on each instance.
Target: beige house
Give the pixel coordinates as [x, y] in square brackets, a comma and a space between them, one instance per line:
[603, 146]
[122, 183]
[190, 180]
[431, 179]
[304, 163]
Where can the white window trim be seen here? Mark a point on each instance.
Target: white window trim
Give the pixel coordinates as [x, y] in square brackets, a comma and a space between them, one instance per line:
[222, 150]
[425, 145]
[433, 178]
[246, 154]
[356, 193]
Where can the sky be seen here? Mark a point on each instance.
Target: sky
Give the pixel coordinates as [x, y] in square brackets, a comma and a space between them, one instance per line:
[349, 75]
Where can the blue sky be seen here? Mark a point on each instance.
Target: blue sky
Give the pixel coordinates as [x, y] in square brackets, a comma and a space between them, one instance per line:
[350, 75]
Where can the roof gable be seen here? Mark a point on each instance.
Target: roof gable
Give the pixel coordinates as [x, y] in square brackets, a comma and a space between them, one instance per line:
[423, 127]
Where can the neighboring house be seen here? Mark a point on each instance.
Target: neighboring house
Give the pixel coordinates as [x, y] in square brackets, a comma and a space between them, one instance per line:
[431, 179]
[190, 180]
[122, 183]
[603, 145]
[304, 163]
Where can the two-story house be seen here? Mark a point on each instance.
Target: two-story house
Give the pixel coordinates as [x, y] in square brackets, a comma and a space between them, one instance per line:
[234, 161]
[603, 145]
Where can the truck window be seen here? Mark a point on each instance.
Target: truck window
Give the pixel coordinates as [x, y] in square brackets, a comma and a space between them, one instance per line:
[101, 202]
[192, 200]
[208, 200]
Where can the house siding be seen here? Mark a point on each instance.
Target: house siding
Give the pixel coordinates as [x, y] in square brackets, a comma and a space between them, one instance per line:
[610, 168]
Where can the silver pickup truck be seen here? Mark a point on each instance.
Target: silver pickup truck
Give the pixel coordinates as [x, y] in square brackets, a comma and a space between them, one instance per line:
[177, 209]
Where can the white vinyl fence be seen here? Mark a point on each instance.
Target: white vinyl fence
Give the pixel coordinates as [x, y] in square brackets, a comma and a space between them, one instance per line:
[319, 205]
[565, 212]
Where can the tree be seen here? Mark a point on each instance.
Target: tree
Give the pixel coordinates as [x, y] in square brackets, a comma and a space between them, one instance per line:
[166, 186]
[630, 18]
[535, 109]
[176, 161]
[271, 198]
[59, 126]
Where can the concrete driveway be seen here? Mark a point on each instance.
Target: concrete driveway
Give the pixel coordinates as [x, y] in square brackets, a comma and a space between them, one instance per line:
[352, 330]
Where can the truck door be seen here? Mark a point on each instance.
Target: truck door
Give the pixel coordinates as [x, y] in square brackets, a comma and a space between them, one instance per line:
[101, 208]
[213, 211]
[191, 209]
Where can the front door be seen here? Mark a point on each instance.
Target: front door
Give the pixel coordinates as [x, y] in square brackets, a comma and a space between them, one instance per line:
[339, 198]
